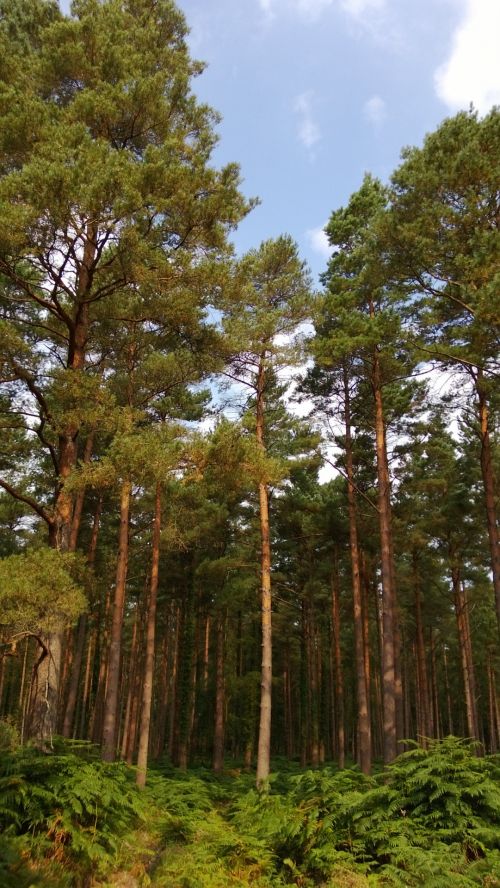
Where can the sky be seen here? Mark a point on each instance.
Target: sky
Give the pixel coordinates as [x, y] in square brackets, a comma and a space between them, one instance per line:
[314, 93]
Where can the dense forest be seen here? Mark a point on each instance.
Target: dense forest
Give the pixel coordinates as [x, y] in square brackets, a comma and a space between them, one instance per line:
[243, 520]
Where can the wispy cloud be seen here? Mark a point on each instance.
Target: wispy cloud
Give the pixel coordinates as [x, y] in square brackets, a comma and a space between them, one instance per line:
[471, 72]
[372, 17]
[267, 7]
[312, 9]
[375, 111]
[309, 132]
[318, 241]
[359, 8]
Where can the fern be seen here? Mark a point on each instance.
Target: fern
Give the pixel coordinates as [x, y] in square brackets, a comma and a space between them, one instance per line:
[68, 807]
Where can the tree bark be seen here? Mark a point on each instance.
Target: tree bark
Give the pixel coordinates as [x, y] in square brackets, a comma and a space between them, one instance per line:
[147, 689]
[424, 710]
[388, 639]
[81, 634]
[489, 492]
[464, 643]
[45, 684]
[339, 675]
[114, 656]
[364, 728]
[264, 743]
[218, 748]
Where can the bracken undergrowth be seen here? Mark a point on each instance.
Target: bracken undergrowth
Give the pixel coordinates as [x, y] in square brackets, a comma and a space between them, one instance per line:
[431, 819]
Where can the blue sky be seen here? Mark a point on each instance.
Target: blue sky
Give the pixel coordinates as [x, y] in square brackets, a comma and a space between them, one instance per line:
[313, 93]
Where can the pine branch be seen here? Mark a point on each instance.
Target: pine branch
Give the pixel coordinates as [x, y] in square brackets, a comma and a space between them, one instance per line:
[23, 498]
[353, 485]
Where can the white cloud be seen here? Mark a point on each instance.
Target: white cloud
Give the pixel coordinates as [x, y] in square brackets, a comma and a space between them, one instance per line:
[375, 111]
[472, 71]
[359, 8]
[309, 132]
[318, 241]
[312, 9]
[267, 8]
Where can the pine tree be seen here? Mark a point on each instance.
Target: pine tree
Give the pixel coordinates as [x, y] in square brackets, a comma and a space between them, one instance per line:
[441, 239]
[105, 185]
[274, 301]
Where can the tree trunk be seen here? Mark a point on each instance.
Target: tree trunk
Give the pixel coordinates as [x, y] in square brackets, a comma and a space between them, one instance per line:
[312, 686]
[424, 709]
[489, 492]
[339, 675]
[264, 743]
[45, 691]
[448, 694]
[388, 640]
[364, 728]
[163, 692]
[493, 708]
[111, 701]
[147, 689]
[465, 653]
[81, 634]
[129, 680]
[218, 748]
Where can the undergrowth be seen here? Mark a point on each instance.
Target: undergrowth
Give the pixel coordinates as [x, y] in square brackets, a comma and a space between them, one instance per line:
[431, 819]
[63, 815]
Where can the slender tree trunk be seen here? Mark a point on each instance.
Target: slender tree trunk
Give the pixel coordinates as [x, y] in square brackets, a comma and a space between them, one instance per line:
[305, 697]
[493, 708]
[186, 677]
[424, 729]
[339, 674]
[434, 689]
[287, 702]
[81, 635]
[448, 694]
[384, 505]
[364, 728]
[194, 688]
[314, 686]
[264, 743]
[365, 597]
[489, 492]
[465, 653]
[174, 709]
[129, 682]
[147, 689]
[102, 646]
[206, 652]
[114, 657]
[84, 703]
[220, 700]
[133, 721]
[163, 692]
